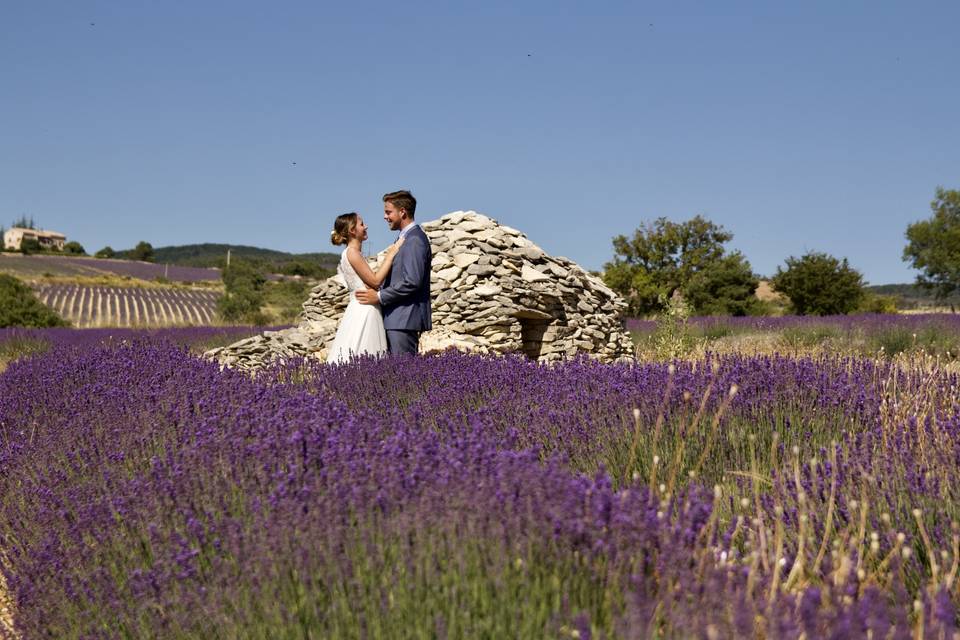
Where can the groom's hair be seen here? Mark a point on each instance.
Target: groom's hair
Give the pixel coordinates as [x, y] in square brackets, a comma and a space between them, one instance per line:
[402, 200]
[342, 227]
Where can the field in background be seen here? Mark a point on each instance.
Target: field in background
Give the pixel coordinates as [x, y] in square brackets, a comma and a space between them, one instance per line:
[91, 292]
[37, 266]
[105, 306]
[864, 335]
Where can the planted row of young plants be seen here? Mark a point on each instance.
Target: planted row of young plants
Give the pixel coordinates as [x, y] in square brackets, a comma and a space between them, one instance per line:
[147, 493]
[104, 306]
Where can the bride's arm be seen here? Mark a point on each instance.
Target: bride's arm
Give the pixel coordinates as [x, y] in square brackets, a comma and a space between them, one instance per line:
[371, 278]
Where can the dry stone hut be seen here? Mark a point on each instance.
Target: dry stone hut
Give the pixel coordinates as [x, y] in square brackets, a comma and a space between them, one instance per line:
[493, 290]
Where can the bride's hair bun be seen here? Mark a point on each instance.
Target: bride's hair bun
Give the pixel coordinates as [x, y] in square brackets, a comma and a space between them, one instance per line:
[342, 228]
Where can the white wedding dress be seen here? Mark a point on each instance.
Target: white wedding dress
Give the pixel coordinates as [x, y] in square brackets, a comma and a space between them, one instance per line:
[361, 328]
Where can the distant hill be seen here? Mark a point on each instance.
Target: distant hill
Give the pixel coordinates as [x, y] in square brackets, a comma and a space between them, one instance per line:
[215, 255]
[912, 296]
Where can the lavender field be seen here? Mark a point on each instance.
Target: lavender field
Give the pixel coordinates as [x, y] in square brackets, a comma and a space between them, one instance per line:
[103, 306]
[35, 266]
[15, 342]
[147, 493]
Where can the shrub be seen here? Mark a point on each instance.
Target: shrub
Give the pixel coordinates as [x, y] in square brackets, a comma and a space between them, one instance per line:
[673, 339]
[725, 288]
[892, 340]
[244, 294]
[30, 245]
[819, 284]
[106, 252]
[243, 274]
[241, 306]
[810, 336]
[938, 340]
[306, 269]
[873, 303]
[933, 339]
[74, 248]
[20, 308]
[285, 298]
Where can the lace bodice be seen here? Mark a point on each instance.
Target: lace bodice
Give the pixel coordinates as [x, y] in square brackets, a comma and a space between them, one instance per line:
[350, 277]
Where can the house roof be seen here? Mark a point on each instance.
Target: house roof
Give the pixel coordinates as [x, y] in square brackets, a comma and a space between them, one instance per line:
[40, 232]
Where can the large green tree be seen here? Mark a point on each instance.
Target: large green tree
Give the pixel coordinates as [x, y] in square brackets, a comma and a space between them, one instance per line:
[75, 248]
[664, 256]
[933, 245]
[819, 284]
[726, 287]
[143, 251]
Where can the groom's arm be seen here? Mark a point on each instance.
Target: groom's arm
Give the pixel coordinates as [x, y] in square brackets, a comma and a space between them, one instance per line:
[413, 261]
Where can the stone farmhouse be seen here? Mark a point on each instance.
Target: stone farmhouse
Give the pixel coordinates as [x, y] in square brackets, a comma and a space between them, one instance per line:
[13, 238]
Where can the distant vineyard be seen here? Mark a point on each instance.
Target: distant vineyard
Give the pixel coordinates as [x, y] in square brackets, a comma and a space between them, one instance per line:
[86, 306]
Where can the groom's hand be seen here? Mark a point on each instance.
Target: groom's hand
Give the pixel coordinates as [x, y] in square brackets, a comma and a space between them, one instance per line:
[367, 296]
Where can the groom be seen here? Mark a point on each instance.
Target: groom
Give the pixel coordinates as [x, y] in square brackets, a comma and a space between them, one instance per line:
[405, 296]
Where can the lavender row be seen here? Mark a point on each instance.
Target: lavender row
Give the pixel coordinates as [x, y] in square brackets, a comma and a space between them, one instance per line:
[197, 338]
[150, 494]
[89, 306]
[144, 270]
[575, 408]
[592, 415]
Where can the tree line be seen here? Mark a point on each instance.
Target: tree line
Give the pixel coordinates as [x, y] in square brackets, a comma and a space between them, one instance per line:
[664, 258]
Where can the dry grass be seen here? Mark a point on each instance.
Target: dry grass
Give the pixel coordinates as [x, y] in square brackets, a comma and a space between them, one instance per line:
[926, 310]
[6, 612]
[766, 293]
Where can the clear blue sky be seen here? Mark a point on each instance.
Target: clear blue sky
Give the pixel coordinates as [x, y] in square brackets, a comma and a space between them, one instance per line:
[796, 125]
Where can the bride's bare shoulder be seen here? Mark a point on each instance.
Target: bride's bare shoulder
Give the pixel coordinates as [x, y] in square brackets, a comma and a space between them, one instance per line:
[354, 257]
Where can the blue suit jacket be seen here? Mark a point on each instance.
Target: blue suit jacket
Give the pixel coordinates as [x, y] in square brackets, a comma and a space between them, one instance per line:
[405, 296]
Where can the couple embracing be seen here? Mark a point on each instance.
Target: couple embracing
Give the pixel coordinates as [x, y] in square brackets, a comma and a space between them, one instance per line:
[389, 307]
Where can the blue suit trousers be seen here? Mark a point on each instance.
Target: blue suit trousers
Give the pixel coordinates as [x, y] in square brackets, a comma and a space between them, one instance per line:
[399, 341]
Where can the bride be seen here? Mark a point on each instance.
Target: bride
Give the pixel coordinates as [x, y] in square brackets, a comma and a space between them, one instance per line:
[361, 328]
